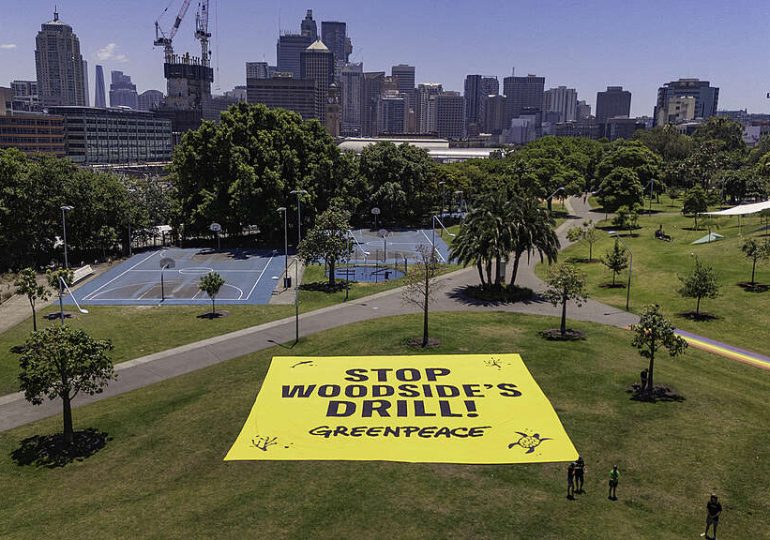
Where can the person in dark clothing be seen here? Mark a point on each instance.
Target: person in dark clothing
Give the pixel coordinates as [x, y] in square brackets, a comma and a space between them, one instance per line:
[644, 375]
[580, 466]
[713, 509]
[571, 481]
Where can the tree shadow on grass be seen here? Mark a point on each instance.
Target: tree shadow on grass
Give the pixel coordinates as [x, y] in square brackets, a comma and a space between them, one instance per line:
[50, 451]
[698, 317]
[323, 286]
[476, 295]
[583, 260]
[554, 334]
[754, 287]
[659, 393]
[613, 286]
[217, 315]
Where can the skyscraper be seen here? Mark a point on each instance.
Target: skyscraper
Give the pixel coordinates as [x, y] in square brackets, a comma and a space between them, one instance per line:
[373, 83]
[450, 115]
[59, 65]
[562, 101]
[611, 103]
[522, 93]
[392, 114]
[317, 63]
[288, 50]
[85, 84]
[334, 35]
[100, 98]
[706, 98]
[425, 106]
[352, 82]
[405, 75]
[473, 98]
[494, 114]
[583, 110]
[123, 91]
[308, 27]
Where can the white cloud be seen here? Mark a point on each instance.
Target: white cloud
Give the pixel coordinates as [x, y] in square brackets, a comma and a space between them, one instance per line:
[7, 46]
[110, 53]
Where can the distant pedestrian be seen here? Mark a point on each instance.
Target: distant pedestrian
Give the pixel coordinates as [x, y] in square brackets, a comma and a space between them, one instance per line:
[614, 477]
[580, 466]
[713, 509]
[644, 375]
[571, 481]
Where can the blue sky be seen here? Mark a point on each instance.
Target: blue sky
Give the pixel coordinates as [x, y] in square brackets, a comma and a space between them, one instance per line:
[586, 44]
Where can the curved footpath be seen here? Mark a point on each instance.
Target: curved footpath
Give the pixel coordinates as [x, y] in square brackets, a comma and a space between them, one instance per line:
[16, 411]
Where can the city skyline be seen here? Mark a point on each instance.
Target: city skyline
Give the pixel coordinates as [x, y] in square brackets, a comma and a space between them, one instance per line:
[444, 44]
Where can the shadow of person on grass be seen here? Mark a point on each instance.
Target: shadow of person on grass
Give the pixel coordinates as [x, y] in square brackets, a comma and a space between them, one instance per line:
[51, 451]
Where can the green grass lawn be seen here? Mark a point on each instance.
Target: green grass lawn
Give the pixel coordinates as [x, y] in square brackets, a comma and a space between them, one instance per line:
[162, 474]
[138, 330]
[742, 316]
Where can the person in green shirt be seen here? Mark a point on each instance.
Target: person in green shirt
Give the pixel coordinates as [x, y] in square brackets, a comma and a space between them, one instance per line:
[614, 477]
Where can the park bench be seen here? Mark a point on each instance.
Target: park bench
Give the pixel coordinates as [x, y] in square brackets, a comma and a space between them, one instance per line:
[82, 273]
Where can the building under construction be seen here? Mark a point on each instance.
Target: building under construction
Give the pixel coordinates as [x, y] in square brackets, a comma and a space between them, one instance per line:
[188, 78]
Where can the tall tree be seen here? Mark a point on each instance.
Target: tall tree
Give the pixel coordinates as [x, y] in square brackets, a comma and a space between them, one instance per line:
[565, 283]
[62, 362]
[27, 285]
[211, 284]
[621, 187]
[700, 283]
[531, 232]
[327, 240]
[652, 333]
[421, 288]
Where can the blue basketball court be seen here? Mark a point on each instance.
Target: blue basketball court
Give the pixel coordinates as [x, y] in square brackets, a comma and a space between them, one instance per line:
[248, 276]
[398, 245]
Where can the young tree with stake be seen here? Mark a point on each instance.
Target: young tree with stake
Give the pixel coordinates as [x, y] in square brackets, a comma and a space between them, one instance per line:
[26, 284]
[565, 283]
[420, 287]
[211, 283]
[616, 260]
[62, 362]
[653, 332]
[701, 283]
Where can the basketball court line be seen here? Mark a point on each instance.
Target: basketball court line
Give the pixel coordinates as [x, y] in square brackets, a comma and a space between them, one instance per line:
[90, 295]
[259, 278]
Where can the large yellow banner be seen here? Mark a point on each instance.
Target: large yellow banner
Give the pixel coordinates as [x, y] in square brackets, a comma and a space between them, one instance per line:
[472, 408]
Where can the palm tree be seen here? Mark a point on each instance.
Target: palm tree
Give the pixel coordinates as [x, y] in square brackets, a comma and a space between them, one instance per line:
[531, 231]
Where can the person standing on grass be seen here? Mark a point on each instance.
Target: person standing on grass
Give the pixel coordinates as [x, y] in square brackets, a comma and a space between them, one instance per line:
[713, 509]
[571, 481]
[580, 466]
[614, 477]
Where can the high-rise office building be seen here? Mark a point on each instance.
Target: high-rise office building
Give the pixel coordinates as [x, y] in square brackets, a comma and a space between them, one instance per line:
[522, 93]
[473, 102]
[706, 99]
[150, 100]
[123, 91]
[562, 101]
[100, 97]
[373, 85]
[335, 37]
[425, 106]
[392, 114]
[352, 98]
[85, 84]
[450, 115]
[317, 63]
[59, 65]
[308, 27]
[490, 86]
[612, 103]
[494, 114]
[296, 95]
[288, 50]
[256, 70]
[405, 77]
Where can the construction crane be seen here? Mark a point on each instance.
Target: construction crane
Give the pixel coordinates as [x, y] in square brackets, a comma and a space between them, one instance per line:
[165, 41]
[202, 30]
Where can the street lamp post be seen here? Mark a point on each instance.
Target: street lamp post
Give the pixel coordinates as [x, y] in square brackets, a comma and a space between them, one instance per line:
[285, 247]
[297, 192]
[64, 210]
[630, 266]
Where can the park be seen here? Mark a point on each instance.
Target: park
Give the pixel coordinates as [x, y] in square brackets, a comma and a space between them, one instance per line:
[579, 258]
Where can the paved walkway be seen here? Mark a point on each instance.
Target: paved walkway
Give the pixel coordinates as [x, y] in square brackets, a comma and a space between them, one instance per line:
[134, 374]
